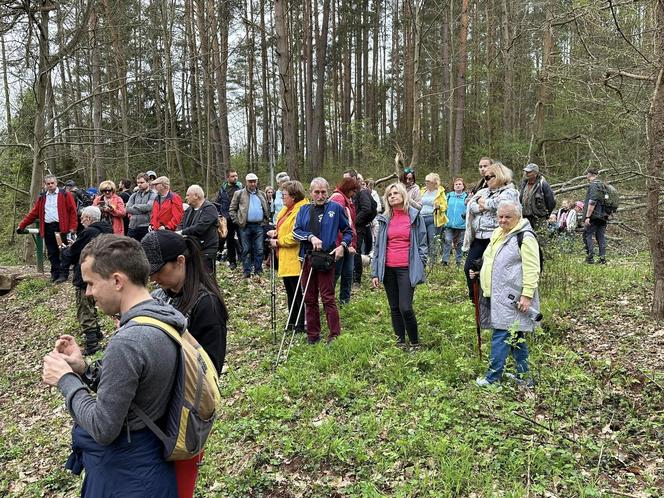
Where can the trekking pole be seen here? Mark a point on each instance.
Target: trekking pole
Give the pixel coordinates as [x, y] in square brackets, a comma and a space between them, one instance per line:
[299, 313]
[273, 298]
[476, 301]
[288, 319]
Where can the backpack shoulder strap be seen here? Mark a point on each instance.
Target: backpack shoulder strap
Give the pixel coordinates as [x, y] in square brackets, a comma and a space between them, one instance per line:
[169, 329]
[519, 236]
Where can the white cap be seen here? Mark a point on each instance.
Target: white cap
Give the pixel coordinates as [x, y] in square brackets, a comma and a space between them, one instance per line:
[251, 176]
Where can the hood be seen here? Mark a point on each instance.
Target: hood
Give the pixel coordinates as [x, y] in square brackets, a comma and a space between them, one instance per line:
[101, 226]
[156, 309]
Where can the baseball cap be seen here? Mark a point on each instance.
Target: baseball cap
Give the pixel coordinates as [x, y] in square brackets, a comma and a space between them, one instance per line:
[70, 183]
[161, 247]
[531, 167]
[579, 204]
[282, 176]
[251, 176]
[151, 174]
[163, 180]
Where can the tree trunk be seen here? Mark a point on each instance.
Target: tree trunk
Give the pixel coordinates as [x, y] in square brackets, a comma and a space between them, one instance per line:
[461, 90]
[654, 218]
[98, 152]
[265, 89]
[318, 121]
[285, 79]
[417, 113]
[5, 86]
[543, 90]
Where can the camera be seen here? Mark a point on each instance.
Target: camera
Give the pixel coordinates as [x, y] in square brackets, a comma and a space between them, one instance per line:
[532, 313]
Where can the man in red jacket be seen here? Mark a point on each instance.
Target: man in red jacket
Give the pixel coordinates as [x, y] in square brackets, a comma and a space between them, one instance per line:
[56, 210]
[167, 209]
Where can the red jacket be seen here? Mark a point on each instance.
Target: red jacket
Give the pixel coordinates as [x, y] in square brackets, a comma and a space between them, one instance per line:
[118, 213]
[349, 208]
[168, 213]
[66, 213]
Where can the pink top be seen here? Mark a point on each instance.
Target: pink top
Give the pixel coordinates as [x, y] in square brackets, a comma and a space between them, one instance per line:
[398, 240]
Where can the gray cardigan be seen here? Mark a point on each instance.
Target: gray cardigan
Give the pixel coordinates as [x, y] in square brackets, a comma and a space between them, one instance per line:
[417, 256]
[139, 366]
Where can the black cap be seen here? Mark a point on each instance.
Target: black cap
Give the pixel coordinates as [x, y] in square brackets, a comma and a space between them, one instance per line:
[161, 247]
[70, 183]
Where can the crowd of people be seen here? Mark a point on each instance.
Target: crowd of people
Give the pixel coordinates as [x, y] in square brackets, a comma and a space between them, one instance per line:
[314, 240]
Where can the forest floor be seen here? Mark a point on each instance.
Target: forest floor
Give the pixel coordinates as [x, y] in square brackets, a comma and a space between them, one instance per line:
[362, 417]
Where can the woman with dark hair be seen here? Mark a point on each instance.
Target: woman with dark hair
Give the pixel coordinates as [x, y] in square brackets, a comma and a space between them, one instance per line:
[407, 178]
[343, 195]
[288, 248]
[177, 266]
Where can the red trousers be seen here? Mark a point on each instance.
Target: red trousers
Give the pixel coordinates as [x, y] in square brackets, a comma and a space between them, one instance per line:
[186, 472]
[320, 283]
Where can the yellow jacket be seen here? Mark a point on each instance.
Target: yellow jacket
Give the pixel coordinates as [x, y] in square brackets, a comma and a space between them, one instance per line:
[289, 247]
[439, 206]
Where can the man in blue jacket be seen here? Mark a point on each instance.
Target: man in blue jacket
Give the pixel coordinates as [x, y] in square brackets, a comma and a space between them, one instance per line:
[317, 227]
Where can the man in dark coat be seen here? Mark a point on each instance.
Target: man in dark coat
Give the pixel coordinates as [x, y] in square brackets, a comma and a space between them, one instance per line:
[86, 313]
[537, 198]
[365, 212]
[200, 222]
[224, 198]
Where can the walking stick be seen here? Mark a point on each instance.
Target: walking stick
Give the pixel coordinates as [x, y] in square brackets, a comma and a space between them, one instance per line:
[273, 298]
[476, 301]
[290, 314]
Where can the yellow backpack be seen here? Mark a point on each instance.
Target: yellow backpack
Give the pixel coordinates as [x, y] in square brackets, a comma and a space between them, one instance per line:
[191, 410]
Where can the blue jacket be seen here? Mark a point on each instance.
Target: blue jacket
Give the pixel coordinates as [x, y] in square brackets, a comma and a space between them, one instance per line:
[417, 256]
[456, 210]
[224, 197]
[334, 221]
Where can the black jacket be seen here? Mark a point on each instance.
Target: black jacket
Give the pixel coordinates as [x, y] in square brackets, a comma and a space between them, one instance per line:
[224, 197]
[363, 208]
[72, 254]
[201, 224]
[206, 322]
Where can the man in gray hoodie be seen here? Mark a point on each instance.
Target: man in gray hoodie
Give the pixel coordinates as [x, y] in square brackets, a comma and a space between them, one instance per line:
[110, 441]
[139, 207]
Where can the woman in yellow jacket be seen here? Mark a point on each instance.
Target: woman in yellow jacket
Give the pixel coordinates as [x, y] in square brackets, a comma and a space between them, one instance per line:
[434, 208]
[288, 248]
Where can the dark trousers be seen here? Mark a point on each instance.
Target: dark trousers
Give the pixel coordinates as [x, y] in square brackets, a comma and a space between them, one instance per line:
[400, 298]
[233, 249]
[598, 229]
[344, 270]
[364, 245]
[138, 232]
[294, 295]
[252, 248]
[50, 229]
[475, 252]
[321, 282]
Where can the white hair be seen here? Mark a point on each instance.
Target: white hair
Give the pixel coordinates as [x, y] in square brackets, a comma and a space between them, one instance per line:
[197, 191]
[513, 206]
[92, 212]
[319, 180]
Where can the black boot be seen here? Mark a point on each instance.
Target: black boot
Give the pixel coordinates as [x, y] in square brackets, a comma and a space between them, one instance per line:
[99, 333]
[91, 342]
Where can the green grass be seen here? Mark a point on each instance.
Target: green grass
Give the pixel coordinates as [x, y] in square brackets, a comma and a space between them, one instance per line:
[363, 418]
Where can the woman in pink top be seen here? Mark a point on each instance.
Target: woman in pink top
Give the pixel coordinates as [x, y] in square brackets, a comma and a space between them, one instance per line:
[400, 254]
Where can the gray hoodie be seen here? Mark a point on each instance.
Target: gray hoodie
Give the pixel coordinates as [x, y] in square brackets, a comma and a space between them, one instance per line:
[138, 366]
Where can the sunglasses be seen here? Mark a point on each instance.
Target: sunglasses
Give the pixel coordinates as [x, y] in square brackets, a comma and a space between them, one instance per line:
[408, 170]
[489, 177]
[107, 190]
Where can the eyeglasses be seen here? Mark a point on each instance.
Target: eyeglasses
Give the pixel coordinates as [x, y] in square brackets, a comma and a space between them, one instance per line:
[107, 190]
[489, 177]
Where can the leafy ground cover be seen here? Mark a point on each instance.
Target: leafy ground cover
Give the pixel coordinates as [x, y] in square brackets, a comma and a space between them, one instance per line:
[361, 417]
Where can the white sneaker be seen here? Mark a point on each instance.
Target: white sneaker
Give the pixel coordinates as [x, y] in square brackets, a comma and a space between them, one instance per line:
[482, 382]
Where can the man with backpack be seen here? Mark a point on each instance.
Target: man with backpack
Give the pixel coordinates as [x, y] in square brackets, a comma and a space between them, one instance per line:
[120, 455]
[595, 217]
[366, 210]
[537, 198]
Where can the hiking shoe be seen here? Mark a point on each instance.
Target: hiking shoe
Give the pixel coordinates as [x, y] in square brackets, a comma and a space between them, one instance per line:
[445, 263]
[232, 266]
[91, 349]
[246, 275]
[529, 382]
[602, 261]
[60, 280]
[482, 382]
[401, 344]
[590, 260]
[313, 342]
[415, 347]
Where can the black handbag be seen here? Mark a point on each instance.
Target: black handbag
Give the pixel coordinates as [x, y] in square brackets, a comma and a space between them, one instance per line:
[322, 261]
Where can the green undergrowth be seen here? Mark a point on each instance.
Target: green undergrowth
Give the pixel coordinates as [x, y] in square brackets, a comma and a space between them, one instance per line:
[361, 417]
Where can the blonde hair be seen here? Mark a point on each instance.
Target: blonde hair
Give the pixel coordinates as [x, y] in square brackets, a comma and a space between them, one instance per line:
[434, 178]
[502, 172]
[404, 194]
[106, 184]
